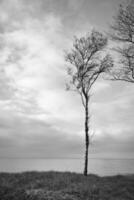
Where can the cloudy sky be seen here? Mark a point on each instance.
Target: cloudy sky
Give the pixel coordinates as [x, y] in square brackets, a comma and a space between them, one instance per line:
[38, 117]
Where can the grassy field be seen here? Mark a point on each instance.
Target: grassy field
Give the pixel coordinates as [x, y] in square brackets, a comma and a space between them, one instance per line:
[65, 185]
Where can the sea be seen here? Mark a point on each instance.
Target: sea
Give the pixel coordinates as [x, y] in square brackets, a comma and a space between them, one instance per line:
[101, 167]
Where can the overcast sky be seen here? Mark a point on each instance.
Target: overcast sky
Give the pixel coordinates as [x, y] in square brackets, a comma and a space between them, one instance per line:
[38, 117]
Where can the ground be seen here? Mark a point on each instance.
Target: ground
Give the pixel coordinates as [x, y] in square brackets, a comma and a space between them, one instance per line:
[65, 186]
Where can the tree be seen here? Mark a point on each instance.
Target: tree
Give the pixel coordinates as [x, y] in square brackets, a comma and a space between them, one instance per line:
[87, 62]
[123, 32]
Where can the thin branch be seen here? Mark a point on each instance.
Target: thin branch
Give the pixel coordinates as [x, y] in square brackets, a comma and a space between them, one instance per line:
[121, 79]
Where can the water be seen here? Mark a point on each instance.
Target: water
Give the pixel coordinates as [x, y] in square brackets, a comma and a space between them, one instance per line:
[101, 167]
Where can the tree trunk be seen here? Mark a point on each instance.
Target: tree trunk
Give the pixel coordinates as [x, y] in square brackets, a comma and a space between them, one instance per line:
[86, 137]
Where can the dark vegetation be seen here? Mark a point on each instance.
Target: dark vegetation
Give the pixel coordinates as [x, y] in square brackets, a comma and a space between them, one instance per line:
[65, 185]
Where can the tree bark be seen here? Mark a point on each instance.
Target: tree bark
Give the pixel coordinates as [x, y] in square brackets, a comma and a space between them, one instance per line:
[86, 136]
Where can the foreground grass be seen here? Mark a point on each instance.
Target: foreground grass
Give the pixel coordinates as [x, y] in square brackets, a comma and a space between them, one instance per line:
[64, 185]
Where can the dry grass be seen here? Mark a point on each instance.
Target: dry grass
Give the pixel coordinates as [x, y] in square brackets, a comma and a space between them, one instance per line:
[67, 186]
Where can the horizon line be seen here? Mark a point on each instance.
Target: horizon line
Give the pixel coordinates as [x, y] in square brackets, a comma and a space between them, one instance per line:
[63, 158]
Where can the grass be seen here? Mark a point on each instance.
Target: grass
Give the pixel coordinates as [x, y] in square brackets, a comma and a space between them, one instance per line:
[65, 186]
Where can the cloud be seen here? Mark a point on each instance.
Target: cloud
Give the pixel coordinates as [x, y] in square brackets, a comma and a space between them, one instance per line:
[38, 117]
[33, 58]
[32, 137]
[27, 137]
[114, 115]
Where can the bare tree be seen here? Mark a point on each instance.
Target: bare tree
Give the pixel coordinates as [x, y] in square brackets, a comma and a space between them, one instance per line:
[87, 63]
[123, 32]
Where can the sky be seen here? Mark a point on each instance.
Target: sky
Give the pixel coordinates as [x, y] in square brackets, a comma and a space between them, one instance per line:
[38, 117]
